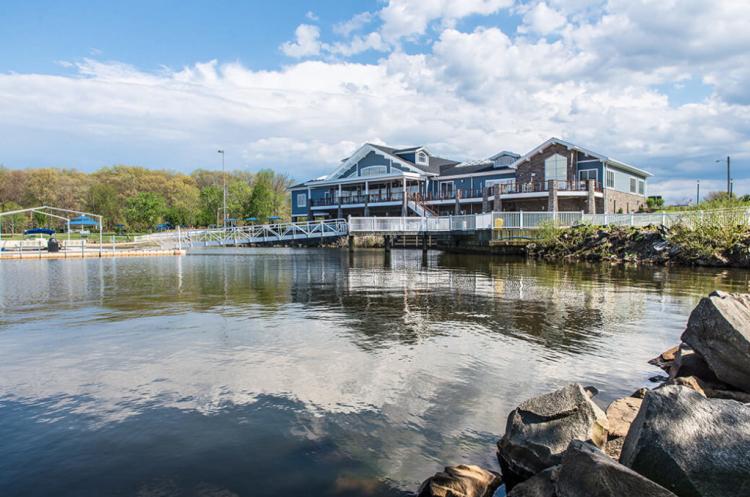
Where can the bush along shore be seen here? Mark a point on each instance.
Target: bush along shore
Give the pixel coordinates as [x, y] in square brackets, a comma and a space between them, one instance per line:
[688, 437]
[707, 243]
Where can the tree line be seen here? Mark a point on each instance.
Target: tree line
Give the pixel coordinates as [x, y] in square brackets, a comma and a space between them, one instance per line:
[140, 198]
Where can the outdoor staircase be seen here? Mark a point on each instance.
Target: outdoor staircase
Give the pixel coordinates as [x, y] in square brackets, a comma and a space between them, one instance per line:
[420, 208]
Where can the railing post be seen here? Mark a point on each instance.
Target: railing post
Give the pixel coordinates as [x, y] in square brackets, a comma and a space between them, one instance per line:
[521, 220]
[663, 219]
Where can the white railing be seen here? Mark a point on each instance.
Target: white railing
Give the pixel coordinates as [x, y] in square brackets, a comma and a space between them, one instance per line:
[531, 220]
[261, 233]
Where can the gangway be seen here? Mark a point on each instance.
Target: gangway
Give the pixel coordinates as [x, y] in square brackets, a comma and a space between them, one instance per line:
[245, 235]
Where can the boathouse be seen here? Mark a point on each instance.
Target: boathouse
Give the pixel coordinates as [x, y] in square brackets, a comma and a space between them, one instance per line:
[555, 176]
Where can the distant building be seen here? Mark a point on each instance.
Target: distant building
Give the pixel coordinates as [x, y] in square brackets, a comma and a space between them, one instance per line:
[385, 181]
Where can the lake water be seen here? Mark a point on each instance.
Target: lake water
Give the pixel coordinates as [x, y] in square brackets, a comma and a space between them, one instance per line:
[266, 372]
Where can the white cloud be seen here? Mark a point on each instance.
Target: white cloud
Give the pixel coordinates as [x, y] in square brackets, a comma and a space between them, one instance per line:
[404, 18]
[599, 83]
[354, 24]
[312, 16]
[306, 42]
[542, 19]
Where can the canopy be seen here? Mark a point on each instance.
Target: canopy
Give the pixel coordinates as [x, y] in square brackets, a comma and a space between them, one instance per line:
[83, 221]
[39, 231]
[253, 219]
[274, 218]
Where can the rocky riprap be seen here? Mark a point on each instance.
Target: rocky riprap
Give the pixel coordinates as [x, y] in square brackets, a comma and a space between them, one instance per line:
[650, 245]
[688, 437]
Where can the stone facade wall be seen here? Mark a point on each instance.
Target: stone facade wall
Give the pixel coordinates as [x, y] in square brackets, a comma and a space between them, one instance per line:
[628, 202]
[535, 165]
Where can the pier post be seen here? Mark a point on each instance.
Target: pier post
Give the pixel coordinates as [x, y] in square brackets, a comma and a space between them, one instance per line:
[350, 242]
[425, 245]
[387, 243]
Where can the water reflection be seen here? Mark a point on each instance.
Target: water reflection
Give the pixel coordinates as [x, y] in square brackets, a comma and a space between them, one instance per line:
[315, 372]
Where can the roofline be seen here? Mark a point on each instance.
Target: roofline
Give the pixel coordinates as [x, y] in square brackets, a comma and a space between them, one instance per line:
[573, 146]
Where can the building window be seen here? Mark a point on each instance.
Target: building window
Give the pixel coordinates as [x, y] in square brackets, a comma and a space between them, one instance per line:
[373, 171]
[556, 167]
[610, 179]
[422, 158]
[302, 200]
[446, 188]
[632, 185]
[588, 174]
[642, 187]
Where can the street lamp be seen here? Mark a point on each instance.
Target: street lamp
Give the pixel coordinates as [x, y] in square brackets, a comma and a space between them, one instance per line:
[698, 192]
[729, 186]
[224, 191]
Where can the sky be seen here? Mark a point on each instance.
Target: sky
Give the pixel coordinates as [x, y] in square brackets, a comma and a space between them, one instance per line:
[297, 86]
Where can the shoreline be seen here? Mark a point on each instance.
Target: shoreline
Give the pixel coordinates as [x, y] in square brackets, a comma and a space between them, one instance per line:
[668, 441]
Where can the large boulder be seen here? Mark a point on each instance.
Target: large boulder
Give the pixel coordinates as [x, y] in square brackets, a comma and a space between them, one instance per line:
[588, 472]
[539, 430]
[719, 329]
[691, 445]
[540, 485]
[461, 481]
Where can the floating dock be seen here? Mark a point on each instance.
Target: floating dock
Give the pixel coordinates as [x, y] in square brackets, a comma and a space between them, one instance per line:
[87, 254]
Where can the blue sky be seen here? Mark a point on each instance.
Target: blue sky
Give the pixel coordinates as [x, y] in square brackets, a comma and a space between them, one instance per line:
[297, 85]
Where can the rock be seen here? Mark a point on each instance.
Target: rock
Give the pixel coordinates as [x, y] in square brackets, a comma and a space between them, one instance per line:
[587, 472]
[540, 429]
[665, 359]
[614, 447]
[691, 382]
[540, 485]
[719, 328]
[640, 393]
[720, 393]
[461, 481]
[659, 378]
[688, 362]
[691, 445]
[620, 414]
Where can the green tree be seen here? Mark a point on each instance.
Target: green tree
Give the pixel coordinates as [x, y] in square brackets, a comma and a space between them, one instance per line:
[102, 200]
[144, 210]
[238, 197]
[210, 202]
[13, 223]
[261, 202]
[654, 203]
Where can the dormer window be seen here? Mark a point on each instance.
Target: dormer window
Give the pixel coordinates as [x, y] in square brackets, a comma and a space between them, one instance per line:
[422, 158]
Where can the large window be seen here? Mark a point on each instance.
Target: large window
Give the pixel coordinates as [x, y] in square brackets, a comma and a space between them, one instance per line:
[556, 167]
[610, 179]
[302, 200]
[642, 187]
[373, 171]
[632, 185]
[588, 174]
[446, 188]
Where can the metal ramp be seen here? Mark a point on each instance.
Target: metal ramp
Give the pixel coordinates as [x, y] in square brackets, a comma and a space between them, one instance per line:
[244, 235]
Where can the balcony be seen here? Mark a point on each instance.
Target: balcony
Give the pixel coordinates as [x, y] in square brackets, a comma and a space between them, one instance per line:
[543, 187]
[370, 199]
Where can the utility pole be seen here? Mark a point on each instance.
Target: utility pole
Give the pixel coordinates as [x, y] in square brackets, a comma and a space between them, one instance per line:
[224, 191]
[698, 192]
[729, 180]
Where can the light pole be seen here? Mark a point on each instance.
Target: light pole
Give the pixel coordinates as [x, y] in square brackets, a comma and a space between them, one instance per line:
[698, 192]
[224, 191]
[729, 177]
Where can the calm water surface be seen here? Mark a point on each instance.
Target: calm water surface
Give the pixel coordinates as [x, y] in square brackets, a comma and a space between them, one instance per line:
[304, 372]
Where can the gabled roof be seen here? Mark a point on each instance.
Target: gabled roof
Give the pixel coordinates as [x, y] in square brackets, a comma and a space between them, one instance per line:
[572, 146]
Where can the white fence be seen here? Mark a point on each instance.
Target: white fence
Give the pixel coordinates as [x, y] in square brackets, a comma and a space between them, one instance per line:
[532, 220]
